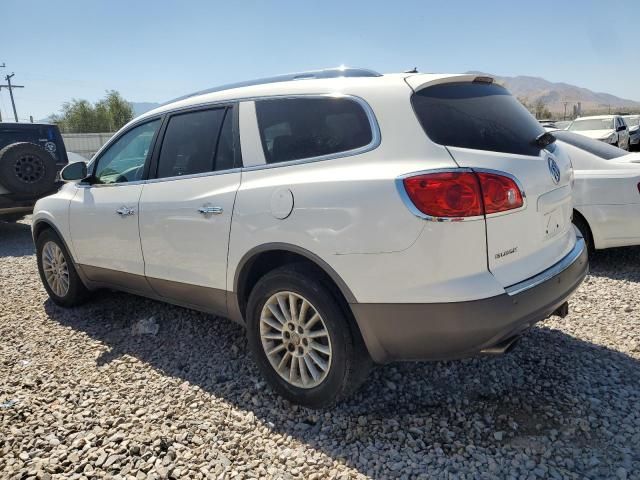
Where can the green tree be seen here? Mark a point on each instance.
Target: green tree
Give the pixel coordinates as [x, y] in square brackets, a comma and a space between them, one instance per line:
[106, 115]
[540, 110]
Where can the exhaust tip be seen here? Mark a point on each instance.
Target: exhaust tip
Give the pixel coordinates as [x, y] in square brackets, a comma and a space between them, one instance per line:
[562, 311]
[505, 346]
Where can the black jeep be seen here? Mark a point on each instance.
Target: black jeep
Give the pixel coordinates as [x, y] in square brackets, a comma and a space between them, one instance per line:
[31, 156]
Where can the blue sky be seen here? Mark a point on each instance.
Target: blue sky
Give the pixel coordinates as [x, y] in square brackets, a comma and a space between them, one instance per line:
[158, 50]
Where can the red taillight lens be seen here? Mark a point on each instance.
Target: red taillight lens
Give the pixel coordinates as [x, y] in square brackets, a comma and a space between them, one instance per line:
[462, 194]
[499, 193]
[446, 194]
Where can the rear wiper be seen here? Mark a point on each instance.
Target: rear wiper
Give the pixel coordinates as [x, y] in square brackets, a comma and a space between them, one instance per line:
[544, 139]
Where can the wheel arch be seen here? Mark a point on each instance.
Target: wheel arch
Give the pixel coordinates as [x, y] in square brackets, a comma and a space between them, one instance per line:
[580, 216]
[264, 258]
[42, 224]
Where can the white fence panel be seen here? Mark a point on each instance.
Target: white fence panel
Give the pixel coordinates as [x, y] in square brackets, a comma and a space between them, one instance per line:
[85, 144]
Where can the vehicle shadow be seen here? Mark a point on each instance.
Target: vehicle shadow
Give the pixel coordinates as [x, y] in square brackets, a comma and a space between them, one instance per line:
[410, 415]
[624, 260]
[15, 239]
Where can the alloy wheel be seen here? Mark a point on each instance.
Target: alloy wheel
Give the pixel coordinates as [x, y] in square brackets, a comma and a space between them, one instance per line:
[56, 270]
[295, 339]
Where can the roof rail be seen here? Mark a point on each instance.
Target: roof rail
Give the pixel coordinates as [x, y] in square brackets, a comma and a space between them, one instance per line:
[311, 74]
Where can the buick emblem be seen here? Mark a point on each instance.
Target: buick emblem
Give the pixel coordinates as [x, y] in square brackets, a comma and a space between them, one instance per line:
[553, 170]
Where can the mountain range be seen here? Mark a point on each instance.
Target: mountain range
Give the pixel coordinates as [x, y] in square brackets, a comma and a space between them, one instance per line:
[554, 94]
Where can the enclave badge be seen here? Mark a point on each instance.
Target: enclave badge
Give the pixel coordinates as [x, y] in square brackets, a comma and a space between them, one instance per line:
[554, 170]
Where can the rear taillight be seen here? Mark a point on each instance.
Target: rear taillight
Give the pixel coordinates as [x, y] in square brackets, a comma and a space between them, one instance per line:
[445, 194]
[499, 193]
[462, 194]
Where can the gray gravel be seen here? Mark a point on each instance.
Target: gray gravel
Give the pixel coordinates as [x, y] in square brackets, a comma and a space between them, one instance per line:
[125, 387]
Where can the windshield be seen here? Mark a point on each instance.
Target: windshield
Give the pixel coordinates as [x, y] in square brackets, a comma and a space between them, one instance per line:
[592, 124]
[632, 120]
[596, 147]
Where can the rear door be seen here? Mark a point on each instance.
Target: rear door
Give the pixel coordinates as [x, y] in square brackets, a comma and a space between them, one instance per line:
[485, 128]
[185, 211]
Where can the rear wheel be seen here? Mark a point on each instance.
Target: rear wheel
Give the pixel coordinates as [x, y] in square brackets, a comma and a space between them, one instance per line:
[302, 340]
[57, 272]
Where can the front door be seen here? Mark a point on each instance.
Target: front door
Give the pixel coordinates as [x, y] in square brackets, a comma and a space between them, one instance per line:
[104, 212]
[185, 211]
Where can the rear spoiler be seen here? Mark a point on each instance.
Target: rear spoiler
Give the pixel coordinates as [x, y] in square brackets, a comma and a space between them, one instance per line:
[422, 80]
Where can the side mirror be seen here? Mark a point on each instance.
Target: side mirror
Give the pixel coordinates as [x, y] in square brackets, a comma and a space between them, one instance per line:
[74, 171]
[621, 128]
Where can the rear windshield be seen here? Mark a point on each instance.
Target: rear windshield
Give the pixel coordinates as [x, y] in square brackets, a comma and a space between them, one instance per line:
[481, 116]
[596, 147]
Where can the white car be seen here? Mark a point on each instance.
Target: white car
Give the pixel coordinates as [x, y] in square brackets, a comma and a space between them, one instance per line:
[633, 122]
[607, 191]
[342, 216]
[611, 129]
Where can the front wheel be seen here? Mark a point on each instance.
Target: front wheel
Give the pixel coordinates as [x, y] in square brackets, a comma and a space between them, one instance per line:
[57, 272]
[302, 340]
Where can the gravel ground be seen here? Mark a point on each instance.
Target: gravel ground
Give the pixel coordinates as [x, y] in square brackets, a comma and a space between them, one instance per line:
[94, 393]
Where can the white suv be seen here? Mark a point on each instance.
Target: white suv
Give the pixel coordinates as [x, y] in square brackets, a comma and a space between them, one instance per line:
[342, 216]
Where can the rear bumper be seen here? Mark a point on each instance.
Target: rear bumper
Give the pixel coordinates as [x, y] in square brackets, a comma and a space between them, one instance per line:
[438, 331]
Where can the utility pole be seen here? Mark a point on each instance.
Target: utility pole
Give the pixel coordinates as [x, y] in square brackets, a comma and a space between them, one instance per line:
[2, 66]
[11, 87]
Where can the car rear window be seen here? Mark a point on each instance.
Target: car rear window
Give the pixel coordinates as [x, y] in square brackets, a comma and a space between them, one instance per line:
[596, 147]
[302, 128]
[481, 116]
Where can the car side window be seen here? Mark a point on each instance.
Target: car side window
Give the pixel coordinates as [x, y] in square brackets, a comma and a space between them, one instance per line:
[300, 128]
[197, 142]
[124, 160]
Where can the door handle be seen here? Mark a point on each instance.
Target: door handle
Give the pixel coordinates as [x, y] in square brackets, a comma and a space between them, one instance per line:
[208, 210]
[125, 211]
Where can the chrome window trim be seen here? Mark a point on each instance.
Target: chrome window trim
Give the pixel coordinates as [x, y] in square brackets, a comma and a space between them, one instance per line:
[550, 272]
[376, 137]
[164, 179]
[413, 209]
[106, 185]
[194, 175]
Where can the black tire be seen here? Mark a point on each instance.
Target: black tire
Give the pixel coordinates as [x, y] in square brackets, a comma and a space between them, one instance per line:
[583, 226]
[350, 362]
[26, 168]
[76, 292]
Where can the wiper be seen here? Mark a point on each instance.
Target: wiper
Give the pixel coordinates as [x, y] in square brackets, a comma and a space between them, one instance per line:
[544, 139]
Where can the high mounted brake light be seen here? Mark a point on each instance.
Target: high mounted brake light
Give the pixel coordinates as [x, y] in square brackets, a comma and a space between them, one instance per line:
[456, 195]
[483, 80]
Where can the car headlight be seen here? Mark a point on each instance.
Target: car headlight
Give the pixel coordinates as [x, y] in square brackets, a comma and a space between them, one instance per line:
[609, 138]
